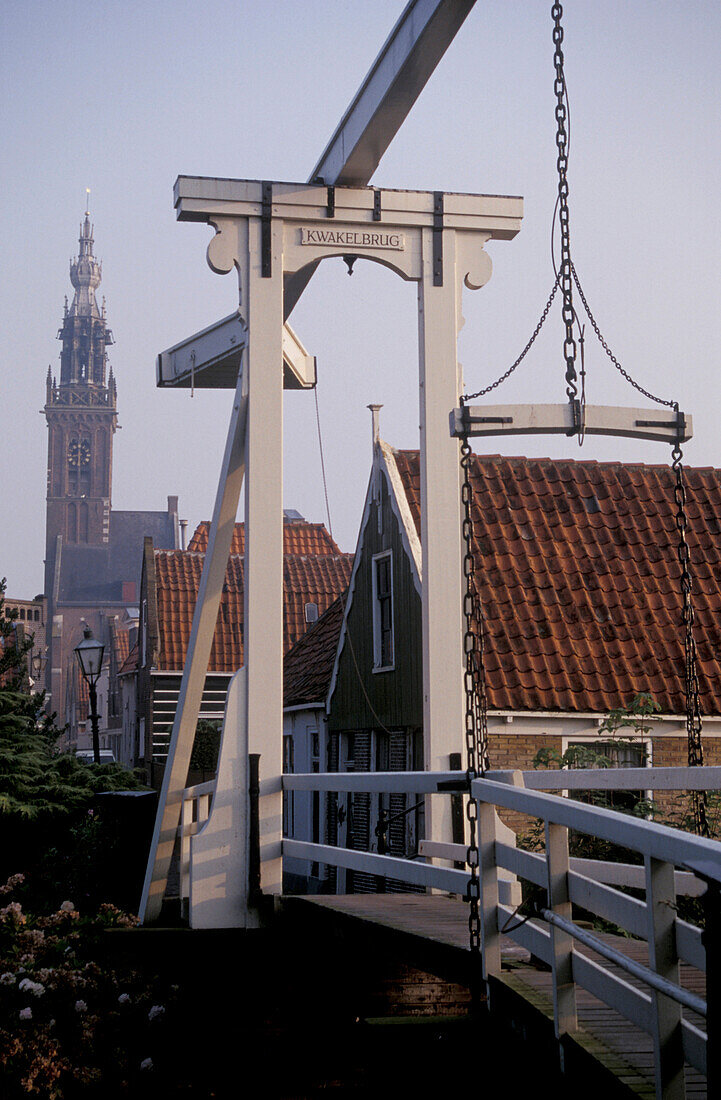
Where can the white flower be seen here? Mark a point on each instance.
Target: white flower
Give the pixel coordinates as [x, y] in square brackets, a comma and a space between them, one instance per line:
[80, 1006]
[124, 999]
[146, 1064]
[156, 1010]
[26, 1014]
[7, 978]
[67, 907]
[26, 986]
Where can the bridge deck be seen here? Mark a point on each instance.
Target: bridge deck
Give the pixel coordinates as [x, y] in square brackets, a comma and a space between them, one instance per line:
[443, 921]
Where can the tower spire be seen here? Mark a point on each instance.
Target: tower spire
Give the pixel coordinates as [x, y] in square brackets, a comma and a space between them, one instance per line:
[84, 332]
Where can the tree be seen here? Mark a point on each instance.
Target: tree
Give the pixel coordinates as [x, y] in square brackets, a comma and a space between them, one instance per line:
[13, 646]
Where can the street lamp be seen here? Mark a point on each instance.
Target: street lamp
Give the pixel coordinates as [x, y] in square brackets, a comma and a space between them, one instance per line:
[38, 663]
[90, 659]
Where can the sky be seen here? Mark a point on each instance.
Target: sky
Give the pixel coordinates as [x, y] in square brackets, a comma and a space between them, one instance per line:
[122, 96]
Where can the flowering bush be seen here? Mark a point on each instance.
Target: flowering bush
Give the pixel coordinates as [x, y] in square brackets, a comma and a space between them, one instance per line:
[70, 1026]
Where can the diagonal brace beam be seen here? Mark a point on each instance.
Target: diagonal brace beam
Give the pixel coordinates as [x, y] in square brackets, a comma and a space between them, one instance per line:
[197, 659]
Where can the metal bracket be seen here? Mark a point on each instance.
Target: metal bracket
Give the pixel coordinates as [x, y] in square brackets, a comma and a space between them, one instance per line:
[330, 204]
[438, 238]
[376, 205]
[577, 417]
[266, 212]
[459, 785]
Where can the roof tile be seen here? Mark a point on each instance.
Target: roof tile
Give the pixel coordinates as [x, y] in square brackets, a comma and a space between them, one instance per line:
[580, 580]
[307, 578]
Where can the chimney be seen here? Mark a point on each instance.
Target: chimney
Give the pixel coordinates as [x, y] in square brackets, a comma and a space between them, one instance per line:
[183, 530]
[375, 418]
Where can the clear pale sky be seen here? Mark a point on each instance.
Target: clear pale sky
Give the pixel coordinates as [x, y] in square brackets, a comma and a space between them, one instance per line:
[121, 97]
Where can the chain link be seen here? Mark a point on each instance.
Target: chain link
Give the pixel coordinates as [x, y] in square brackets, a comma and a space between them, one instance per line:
[564, 271]
[699, 800]
[476, 716]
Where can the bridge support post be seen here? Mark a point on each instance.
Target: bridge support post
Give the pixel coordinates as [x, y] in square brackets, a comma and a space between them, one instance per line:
[663, 958]
[439, 380]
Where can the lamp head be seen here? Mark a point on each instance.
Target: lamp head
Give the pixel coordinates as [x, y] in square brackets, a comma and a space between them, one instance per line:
[90, 656]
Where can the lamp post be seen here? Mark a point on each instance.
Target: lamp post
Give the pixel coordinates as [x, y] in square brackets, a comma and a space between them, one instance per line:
[90, 659]
[38, 665]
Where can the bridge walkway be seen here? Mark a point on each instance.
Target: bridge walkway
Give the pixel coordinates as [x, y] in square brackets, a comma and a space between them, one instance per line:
[434, 929]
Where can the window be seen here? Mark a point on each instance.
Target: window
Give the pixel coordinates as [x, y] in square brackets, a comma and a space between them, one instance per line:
[383, 647]
[623, 753]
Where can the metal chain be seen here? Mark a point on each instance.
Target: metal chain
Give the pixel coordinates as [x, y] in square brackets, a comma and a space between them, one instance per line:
[507, 374]
[476, 717]
[564, 271]
[693, 705]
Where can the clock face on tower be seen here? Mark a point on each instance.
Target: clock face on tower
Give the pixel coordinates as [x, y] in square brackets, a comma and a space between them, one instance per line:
[79, 452]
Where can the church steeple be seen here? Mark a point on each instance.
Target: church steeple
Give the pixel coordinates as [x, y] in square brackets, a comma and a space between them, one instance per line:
[84, 332]
[81, 411]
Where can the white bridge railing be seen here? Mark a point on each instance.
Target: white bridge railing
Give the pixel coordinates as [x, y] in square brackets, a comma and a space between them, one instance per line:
[665, 855]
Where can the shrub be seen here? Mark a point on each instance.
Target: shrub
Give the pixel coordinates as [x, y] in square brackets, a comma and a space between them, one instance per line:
[70, 1025]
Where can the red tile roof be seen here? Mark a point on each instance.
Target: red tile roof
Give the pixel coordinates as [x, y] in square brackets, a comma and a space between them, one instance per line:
[308, 667]
[579, 578]
[299, 537]
[306, 579]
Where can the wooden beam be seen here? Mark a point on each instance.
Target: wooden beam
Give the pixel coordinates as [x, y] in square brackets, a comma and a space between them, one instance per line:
[396, 78]
[660, 425]
[210, 359]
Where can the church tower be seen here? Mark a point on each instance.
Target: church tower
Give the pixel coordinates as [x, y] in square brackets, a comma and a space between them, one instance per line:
[93, 553]
[81, 414]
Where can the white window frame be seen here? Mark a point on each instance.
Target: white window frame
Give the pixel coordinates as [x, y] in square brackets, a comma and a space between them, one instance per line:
[386, 555]
[644, 741]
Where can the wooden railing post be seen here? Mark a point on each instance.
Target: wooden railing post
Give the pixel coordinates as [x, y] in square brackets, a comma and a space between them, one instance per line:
[663, 958]
[488, 871]
[564, 989]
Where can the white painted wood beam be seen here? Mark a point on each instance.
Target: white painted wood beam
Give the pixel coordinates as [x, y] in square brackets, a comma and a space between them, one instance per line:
[210, 359]
[396, 78]
[659, 425]
[197, 659]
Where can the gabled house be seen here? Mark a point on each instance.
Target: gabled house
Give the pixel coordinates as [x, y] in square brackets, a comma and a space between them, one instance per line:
[315, 573]
[577, 568]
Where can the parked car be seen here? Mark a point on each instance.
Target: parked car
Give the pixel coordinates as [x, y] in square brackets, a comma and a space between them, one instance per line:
[107, 756]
